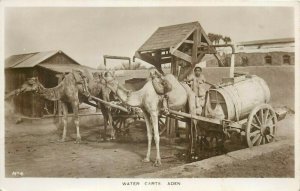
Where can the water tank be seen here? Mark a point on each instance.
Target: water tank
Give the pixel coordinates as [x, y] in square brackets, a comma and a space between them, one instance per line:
[238, 96]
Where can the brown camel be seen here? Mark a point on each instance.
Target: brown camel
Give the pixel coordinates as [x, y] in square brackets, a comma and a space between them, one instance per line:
[98, 89]
[70, 90]
[150, 101]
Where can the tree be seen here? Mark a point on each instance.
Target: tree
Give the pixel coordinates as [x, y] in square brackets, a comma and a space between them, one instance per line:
[218, 38]
[132, 66]
[227, 39]
[211, 37]
[214, 38]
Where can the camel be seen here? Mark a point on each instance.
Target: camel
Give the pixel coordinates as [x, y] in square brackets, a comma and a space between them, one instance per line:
[150, 101]
[70, 90]
[97, 88]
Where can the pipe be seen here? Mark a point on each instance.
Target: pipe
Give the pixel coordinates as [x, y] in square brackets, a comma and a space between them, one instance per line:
[117, 57]
[225, 45]
[196, 117]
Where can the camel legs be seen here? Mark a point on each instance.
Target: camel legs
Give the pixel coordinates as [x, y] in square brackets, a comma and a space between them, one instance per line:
[65, 121]
[75, 107]
[154, 121]
[105, 126]
[149, 136]
[112, 131]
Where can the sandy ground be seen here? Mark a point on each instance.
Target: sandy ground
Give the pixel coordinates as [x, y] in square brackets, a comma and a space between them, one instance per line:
[32, 150]
[275, 164]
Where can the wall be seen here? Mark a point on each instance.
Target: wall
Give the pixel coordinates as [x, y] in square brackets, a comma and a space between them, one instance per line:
[258, 59]
[254, 58]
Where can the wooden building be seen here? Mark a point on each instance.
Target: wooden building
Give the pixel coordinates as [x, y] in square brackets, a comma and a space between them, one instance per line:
[45, 66]
[168, 44]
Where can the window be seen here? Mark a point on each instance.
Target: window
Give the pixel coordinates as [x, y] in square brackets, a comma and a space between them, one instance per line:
[286, 59]
[244, 61]
[268, 60]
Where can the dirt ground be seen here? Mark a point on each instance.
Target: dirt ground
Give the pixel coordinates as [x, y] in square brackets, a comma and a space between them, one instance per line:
[275, 164]
[32, 150]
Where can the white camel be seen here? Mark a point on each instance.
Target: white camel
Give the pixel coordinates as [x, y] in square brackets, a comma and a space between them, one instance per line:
[150, 101]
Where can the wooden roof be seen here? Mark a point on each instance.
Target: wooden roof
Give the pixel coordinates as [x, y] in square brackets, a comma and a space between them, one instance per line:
[31, 59]
[65, 68]
[168, 36]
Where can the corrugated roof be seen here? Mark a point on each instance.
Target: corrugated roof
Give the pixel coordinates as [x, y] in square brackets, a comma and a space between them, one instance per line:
[267, 41]
[36, 59]
[168, 36]
[30, 60]
[64, 68]
[16, 59]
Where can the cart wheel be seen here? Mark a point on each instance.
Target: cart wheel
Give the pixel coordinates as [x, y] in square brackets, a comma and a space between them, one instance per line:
[119, 124]
[261, 125]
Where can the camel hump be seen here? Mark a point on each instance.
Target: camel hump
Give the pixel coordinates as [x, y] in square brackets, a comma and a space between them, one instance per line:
[159, 82]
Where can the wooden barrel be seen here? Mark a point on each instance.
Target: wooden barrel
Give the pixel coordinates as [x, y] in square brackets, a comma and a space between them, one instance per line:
[239, 96]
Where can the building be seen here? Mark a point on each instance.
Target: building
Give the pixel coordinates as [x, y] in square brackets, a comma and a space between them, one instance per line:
[45, 66]
[257, 53]
[266, 52]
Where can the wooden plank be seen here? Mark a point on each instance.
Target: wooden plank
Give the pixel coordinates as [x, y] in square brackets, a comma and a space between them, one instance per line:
[157, 57]
[188, 41]
[166, 60]
[182, 55]
[209, 43]
[146, 58]
[110, 104]
[116, 57]
[200, 57]
[150, 59]
[195, 47]
[200, 118]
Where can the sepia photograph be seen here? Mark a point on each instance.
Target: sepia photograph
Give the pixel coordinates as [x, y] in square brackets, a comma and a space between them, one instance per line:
[143, 92]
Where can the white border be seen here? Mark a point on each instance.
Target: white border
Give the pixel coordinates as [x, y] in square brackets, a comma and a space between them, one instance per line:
[205, 184]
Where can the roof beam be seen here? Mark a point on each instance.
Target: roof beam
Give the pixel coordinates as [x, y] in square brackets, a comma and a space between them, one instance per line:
[182, 55]
[188, 41]
[209, 43]
[150, 59]
[172, 49]
[195, 47]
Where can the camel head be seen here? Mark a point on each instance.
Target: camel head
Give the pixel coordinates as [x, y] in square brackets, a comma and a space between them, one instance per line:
[98, 77]
[110, 80]
[30, 85]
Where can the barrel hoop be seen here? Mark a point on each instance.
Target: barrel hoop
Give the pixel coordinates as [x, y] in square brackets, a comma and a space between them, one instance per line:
[234, 101]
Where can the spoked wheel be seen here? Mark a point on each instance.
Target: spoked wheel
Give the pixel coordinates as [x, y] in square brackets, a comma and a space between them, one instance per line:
[261, 126]
[119, 124]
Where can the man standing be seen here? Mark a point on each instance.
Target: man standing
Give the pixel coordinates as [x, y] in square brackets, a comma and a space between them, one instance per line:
[198, 86]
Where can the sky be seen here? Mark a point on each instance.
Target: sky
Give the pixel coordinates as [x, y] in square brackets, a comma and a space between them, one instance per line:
[86, 34]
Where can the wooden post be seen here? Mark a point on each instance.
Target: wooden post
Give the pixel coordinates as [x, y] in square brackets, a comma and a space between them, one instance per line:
[172, 124]
[195, 47]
